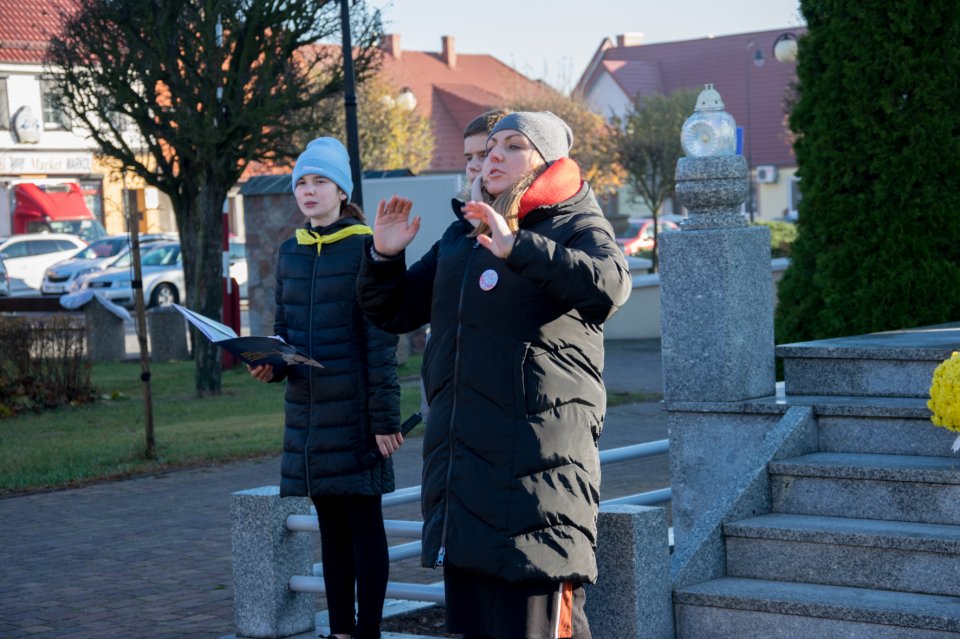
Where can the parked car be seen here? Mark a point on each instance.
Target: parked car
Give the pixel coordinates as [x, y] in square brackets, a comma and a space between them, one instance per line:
[28, 255]
[100, 254]
[162, 273]
[639, 234]
[4, 282]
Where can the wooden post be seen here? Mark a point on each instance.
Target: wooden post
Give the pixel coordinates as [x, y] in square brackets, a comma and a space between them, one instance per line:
[137, 284]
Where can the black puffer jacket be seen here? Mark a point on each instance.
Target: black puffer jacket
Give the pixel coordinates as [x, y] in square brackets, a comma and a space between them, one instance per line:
[332, 413]
[513, 376]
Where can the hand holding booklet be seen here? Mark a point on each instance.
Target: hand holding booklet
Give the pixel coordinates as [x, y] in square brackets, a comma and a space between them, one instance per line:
[251, 349]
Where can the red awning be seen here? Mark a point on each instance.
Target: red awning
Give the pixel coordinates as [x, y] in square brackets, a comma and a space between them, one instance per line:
[33, 203]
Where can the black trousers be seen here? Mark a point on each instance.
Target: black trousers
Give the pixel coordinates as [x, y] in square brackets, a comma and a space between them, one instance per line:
[353, 547]
[483, 607]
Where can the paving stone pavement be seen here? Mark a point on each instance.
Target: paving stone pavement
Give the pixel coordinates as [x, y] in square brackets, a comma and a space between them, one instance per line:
[150, 557]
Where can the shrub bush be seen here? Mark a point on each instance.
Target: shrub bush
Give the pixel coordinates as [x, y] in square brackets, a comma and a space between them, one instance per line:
[878, 154]
[43, 363]
[782, 236]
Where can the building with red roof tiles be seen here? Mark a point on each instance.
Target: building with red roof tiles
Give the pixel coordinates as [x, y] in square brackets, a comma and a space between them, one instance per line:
[451, 89]
[25, 28]
[754, 85]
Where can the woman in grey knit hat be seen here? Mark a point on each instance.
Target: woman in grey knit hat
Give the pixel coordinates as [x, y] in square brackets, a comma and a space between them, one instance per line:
[516, 293]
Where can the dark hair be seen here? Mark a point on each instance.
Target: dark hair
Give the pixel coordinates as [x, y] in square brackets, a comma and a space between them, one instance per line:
[484, 123]
[349, 209]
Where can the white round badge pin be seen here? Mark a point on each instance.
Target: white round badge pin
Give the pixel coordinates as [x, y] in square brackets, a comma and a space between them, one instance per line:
[489, 279]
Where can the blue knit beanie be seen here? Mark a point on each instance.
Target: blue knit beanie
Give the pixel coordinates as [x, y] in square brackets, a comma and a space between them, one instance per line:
[327, 158]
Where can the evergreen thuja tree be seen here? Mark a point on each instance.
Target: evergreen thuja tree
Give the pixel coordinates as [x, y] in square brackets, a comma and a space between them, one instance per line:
[877, 125]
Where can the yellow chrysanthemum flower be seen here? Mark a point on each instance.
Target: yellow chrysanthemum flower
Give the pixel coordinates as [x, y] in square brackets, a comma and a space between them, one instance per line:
[945, 394]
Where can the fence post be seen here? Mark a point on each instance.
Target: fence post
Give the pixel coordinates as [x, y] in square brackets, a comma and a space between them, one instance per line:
[265, 556]
[632, 598]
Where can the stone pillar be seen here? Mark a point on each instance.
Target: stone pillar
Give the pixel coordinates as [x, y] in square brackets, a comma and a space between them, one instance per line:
[716, 290]
[106, 341]
[632, 598]
[168, 334]
[270, 216]
[265, 556]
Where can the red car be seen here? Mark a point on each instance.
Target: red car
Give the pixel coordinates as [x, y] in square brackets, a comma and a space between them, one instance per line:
[639, 235]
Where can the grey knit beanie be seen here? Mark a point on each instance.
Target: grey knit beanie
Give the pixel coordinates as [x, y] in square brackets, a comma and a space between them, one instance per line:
[549, 134]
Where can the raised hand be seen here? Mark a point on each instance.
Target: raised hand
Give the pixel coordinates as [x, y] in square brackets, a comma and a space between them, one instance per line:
[392, 230]
[500, 240]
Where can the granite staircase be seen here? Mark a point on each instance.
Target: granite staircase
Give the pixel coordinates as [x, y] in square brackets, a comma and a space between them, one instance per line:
[863, 540]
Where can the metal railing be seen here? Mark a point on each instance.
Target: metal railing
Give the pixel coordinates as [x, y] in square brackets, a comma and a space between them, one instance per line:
[412, 529]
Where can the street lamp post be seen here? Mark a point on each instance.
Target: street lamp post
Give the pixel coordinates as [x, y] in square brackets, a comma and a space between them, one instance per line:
[785, 47]
[758, 60]
[784, 50]
[406, 100]
[350, 104]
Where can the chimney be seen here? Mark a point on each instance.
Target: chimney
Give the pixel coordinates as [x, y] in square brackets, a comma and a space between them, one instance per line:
[449, 54]
[391, 45]
[629, 40]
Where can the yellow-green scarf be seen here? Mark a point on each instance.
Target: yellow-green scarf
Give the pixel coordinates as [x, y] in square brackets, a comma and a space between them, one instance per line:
[306, 236]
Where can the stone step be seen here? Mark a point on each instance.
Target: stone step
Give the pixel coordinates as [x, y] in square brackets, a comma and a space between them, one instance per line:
[862, 553]
[735, 608]
[891, 364]
[867, 486]
[882, 425]
[892, 435]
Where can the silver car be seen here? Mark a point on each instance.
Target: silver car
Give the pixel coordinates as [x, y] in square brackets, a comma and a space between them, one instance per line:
[4, 282]
[99, 255]
[162, 272]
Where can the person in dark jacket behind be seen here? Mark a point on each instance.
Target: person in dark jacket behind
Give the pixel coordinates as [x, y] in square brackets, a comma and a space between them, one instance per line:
[516, 294]
[337, 414]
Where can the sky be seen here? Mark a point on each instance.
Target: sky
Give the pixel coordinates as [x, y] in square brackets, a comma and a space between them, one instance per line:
[553, 40]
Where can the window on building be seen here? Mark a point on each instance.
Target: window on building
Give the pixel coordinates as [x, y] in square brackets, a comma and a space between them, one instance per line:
[93, 196]
[794, 195]
[53, 115]
[4, 106]
[118, 120]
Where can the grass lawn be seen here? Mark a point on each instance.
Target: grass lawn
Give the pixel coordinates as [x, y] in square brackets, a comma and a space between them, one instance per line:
[73, 445]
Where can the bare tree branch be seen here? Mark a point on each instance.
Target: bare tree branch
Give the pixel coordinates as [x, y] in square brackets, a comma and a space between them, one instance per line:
[186, 93]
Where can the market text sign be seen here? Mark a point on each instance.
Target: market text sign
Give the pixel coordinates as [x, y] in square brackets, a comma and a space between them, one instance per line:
[46, 163]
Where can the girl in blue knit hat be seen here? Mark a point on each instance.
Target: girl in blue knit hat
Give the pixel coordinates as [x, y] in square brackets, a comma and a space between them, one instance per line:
[336, 415]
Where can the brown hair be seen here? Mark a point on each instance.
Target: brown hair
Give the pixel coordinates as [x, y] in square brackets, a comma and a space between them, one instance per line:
[349, 209]
[507, 203]
[484, 123]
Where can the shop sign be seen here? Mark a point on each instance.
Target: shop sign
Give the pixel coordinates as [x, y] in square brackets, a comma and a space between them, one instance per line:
[40, 163]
